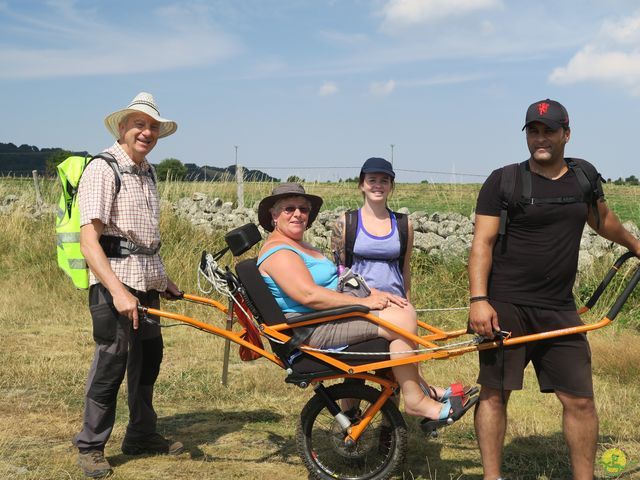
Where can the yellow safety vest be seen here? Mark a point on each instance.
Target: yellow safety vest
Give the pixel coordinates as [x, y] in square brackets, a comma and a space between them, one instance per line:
[70, 258]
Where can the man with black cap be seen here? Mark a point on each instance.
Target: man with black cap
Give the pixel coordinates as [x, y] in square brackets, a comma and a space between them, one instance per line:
[522, 267]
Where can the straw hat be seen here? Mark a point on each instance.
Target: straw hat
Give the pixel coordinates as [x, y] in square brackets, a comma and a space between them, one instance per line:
[143, 102]
[286, 190]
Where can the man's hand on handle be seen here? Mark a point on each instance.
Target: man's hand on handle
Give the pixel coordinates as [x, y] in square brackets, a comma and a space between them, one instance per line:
[483, 319]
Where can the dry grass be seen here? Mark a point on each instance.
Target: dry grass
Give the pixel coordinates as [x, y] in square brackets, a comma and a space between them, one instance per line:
[246, 430]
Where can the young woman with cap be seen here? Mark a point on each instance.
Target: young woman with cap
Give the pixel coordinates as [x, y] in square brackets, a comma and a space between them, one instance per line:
[374, 241]
[302, 279]
[377, 242]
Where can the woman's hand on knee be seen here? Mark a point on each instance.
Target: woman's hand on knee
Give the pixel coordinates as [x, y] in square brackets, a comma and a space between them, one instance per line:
[390, 298]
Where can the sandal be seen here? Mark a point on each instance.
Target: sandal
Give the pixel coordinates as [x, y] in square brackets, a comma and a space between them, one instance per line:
[452, 410]
[455, 389]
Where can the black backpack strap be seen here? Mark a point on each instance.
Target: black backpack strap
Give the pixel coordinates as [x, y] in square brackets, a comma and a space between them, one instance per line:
[350, 231]
[402, 221]
[525, 175]
[507, 188]
[590, 188]
[113, 163]
[152, 172]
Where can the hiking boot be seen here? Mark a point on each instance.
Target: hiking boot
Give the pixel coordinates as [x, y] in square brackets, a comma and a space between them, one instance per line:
[154, 443]
[93, 464]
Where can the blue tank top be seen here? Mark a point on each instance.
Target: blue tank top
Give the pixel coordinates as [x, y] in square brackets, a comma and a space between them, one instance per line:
[377, 258]
[323, 272]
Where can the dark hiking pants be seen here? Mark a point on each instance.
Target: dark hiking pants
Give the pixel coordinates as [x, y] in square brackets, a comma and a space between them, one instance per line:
[120, 349]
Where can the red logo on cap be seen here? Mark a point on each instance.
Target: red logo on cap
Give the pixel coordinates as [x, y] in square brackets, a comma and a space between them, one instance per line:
[543, 108]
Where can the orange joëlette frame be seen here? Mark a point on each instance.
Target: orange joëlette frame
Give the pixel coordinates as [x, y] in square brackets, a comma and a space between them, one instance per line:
[427, 341]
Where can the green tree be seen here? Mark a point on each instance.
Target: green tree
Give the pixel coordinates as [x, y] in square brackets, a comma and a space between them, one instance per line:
[171, 169]
[296, 179]
[632, 180]
[53, 160]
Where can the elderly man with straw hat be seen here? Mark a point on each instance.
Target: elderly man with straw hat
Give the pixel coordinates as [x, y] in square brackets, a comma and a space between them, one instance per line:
[120, 239]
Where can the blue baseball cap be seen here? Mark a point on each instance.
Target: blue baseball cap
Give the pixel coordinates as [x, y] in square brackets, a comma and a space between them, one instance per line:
[378, 165]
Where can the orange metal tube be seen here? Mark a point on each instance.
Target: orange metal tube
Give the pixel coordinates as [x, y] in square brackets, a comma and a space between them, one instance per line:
[230, 335]
[205, 301]
[276, 332]
[383, 323]
[356, 430]
[545, 335]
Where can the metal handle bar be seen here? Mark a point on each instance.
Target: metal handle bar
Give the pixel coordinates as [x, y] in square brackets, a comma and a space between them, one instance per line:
[624, 295]
[605, 283]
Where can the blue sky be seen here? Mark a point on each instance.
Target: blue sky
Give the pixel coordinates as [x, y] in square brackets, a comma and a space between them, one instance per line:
[314, 87]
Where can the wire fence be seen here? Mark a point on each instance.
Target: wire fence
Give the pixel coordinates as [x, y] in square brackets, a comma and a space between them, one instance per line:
[303, 174]
[342, 173]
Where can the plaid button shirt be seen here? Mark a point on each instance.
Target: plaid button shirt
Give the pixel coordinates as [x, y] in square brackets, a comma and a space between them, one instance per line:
[134, 213]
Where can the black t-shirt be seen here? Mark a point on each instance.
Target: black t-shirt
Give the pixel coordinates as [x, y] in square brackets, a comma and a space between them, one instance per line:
[537, 264]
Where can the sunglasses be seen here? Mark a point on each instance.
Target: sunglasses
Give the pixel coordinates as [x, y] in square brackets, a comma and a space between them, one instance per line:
[290, 209]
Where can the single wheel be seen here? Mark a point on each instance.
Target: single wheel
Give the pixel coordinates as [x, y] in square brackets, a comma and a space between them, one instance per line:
[378, 453]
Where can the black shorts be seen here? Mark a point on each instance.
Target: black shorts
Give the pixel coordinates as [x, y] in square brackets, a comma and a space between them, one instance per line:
[562, 364]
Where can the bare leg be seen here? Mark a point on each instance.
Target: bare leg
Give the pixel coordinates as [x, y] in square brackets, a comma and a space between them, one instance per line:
[491, 425]
[580, 427]
[415, 401]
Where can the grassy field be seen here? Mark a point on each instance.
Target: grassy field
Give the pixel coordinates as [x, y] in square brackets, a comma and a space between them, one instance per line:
[246, 430]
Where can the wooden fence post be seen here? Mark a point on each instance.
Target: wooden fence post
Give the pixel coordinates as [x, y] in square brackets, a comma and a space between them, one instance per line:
[37, 187]
[240, 185]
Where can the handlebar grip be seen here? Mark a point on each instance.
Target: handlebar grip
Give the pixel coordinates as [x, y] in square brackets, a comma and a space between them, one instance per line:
[203, 260]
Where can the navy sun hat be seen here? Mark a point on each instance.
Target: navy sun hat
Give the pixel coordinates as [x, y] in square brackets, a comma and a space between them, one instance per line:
[549, 112]
[377, 165]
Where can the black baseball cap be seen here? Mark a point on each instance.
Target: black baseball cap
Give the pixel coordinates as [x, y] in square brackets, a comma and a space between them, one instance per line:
[377, 165]
[549, 112]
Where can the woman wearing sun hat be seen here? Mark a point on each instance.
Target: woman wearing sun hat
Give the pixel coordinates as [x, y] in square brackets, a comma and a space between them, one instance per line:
[302, 279]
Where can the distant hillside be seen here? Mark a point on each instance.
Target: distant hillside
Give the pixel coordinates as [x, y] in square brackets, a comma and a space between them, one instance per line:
[22, 160]
[207, 173]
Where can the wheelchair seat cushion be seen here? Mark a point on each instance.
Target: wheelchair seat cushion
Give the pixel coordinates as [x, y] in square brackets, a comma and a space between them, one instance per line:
[306, 363]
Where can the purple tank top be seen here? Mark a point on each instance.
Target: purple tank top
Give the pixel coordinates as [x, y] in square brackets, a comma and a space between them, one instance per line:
[376, 258]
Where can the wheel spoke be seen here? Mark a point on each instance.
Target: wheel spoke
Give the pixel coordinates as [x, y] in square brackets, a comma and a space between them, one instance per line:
[377, 453]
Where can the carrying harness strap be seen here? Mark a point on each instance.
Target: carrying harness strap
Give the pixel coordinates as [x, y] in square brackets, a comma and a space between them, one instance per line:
[135, 170]
[120, 247]
[351, 231]
[590, 191]
[113, 163]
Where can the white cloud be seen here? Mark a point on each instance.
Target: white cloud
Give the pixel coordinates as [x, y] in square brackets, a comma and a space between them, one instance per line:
[399, 14]
[382, 88]
[67, 41]
[327, 89]
[612, 57]
[626, 31]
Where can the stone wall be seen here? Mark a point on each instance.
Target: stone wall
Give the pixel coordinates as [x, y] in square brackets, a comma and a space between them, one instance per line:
[444, 235]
